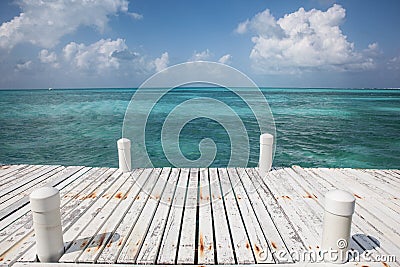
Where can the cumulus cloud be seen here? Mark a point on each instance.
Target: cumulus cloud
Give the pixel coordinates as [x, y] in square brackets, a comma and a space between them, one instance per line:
[49, 58]
[24, 66]
[204, 55]
[304, 40]
[43, 23]
[161, 62]
[226, 59]
[97, 56]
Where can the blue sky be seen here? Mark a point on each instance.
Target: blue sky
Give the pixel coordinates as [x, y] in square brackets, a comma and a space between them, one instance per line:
[121, 43]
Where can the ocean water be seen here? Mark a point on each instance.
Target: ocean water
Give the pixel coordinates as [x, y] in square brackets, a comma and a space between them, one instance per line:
[358, 128]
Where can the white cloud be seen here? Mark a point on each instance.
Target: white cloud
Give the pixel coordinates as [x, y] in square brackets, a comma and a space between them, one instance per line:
[24, 66]
[204, 55]
[226, 59]
[48, 58]
[161, 62]
[43, 23]
[95, 57]
[135, 15]
[303, 40]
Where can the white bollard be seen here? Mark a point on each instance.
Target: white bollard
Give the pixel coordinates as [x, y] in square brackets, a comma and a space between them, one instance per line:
[45, 206]
[124, 154]
[339, 209]
[266, 148]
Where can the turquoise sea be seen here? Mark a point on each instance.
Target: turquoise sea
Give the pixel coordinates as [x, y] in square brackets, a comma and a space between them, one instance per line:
[357, 128]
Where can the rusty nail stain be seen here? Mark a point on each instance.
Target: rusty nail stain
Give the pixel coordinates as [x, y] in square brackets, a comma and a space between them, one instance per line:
[239, 197]
[396, 198]
[201, 244]
[219, 197]
[118, 195]
[247, 245]
[317, 247]
[120, 243]
[315, 196]
[102, 237]
[169, 199]
[83, 244]
[257, 248]
[357, 196]
[384, 264]
[274, 245]
[308, 195]
[209, 247]
[88, 250]
[309, 247]
[109, 244]
[1, 259]
[287, 197]
[137, 197]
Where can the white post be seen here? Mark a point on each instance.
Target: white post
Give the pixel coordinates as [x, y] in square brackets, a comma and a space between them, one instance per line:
[266, 147]
[124, 154]
[339, 209]
[45, 206]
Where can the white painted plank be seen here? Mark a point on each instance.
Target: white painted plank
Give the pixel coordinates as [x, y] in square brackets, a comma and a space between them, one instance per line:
[378, 214]
[362, 228]
[134, 242]
[35, 181]
[88, 207]
[23, 177]
[273, 240]
[258, 242]
[293, 206]
[205, 246]
[124, 197]
[92, 219]
[10, 170]
[223, 242]
[13, 176]
[187, 242]
[169, 245]
[65, 187]
[242, 246]
[362, 209]
[151, 244]
[312, 195]
[145, 183]
[27, 241]
[287, 231]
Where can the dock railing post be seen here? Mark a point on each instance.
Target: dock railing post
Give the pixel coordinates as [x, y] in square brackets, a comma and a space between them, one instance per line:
[124, 154]
[339, 209]
[45, 206]
[266, 148]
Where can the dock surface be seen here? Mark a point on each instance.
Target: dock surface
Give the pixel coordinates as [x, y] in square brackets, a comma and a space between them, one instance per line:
[197, 216]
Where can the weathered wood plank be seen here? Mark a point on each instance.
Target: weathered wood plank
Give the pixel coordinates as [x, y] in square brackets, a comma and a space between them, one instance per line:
[92, 220]
[169, 244]
[292, 203]
[273, 239]
[365, 233]
[187, 242]
[143, 186]
[281, 221]
[134, 242]
[205, 238]
[243, 250]
[149, 251]
[27, 241]
[258, 241]
[124, 197]
[223, 242]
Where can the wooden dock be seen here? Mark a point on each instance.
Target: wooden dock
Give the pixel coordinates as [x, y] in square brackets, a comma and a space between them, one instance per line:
[197, 216]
